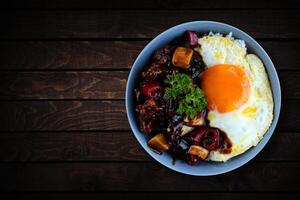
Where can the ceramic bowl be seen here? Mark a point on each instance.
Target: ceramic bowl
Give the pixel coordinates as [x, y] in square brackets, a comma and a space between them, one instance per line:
[202, 168]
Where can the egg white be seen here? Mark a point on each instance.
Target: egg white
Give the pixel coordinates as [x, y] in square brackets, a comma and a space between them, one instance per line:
[246, 125]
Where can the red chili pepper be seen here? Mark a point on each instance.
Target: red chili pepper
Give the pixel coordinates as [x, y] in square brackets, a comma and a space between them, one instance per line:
[211, 139]
[151, 89]
[197, 135]
[192, 159]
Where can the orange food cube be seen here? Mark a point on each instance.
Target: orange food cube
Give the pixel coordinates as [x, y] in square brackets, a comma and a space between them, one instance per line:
[182, 57]
[159, 142]
[198, 151]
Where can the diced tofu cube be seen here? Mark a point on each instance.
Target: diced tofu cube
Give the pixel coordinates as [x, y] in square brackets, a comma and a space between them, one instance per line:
[186, 129]
[198, 151]
[159, 143]
[182, 57]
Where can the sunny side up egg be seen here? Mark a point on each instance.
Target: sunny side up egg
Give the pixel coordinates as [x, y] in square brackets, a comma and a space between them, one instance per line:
[238, 93]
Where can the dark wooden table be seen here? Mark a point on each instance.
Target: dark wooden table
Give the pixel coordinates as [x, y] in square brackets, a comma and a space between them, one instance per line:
[63, 129]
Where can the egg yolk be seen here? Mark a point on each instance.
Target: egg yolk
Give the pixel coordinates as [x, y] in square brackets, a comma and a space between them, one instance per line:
[226, 87]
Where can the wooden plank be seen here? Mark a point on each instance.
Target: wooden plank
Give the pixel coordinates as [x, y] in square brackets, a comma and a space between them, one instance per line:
[154, 4]
[141, 23]
[150, 195]
[290, 84]
[69, 55]
[93, 85]
[94, 115]
[150, 176]
[111, 146]
[60, 85]
[71, 146]
[281, 52]
[50, 55]
[63, 115]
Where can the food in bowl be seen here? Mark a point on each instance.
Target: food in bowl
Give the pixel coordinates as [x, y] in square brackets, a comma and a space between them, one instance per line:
[202, 97]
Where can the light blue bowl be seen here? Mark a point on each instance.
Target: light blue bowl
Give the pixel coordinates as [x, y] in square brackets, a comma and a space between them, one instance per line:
[203, 168]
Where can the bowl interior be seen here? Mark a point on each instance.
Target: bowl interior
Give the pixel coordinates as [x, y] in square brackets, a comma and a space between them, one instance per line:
[203, 168]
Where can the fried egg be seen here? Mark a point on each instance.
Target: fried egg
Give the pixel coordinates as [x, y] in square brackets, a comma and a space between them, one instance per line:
[237, 91]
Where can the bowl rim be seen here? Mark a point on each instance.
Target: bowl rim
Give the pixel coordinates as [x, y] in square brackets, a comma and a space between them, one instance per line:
[264, 141]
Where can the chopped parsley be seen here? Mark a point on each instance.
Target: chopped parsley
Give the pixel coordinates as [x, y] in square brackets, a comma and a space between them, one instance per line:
[179, 84]
[190, 99]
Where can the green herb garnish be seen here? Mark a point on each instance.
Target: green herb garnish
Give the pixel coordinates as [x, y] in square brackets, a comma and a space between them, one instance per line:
[190, 99]
[179, 84]
[192, 103]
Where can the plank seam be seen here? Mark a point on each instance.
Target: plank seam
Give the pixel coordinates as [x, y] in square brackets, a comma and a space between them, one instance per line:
[120, 161]
[38, 9]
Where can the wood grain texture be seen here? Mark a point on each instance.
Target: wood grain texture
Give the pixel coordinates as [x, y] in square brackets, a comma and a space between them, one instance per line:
[150, 195]
[52, 55]
[64, 132]
[141, 23]
[93, 85]
[150, 176]
[57, 55]
[94, 115]
[71, 147]
[63, 115]
[290, 84]
[144, 4]
[111, 147]
[60, 85]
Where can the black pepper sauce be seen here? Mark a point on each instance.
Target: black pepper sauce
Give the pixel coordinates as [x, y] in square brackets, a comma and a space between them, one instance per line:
[226, 145]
